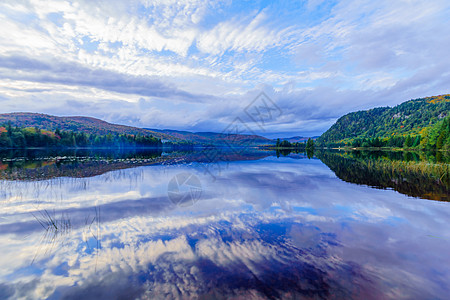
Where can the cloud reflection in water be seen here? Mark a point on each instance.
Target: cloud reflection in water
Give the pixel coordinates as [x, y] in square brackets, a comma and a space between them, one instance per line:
[275, 228]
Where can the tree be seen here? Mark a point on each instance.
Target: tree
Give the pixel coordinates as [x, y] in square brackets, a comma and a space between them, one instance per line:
[309, 148]
[416, 141]
[310, 144]
[9, 129]
[285, 144]
[74, 141]
[357, 143]
[18, 139]
[5, 141]
[408, 142]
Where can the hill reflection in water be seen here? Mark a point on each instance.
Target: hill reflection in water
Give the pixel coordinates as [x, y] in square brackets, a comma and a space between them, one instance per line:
[264, 227]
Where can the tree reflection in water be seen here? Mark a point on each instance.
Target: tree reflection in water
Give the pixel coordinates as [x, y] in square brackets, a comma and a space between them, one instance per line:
[417, 174]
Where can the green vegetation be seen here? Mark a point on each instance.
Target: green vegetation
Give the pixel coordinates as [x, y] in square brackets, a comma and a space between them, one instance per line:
[285, 147]
[77, 124]
[420, 174]
[416, 124]
[309, 144]
[15, 137]
[93, 126]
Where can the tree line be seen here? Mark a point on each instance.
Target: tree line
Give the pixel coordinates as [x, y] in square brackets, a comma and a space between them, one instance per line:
[23, 137]
[309, 144]
[436, 137]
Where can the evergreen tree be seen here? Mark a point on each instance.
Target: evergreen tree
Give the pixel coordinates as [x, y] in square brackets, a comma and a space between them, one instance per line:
[416, 141]
[408, 142]
[310, 144]
[9, 129]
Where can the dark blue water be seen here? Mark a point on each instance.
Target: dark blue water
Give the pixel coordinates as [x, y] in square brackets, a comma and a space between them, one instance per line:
[259, 228]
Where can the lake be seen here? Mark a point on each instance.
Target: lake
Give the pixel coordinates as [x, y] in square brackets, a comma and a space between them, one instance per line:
[224, 224]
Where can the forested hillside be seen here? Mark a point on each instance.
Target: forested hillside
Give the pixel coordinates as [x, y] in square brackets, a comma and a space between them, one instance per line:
[77, 124]
[95, 127]
[24, 137]
[419, 123]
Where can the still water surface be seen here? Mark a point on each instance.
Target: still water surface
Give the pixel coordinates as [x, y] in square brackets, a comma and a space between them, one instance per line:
[165, 226]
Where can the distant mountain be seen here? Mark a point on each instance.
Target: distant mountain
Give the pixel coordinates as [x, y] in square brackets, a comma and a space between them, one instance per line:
[214, 138]
[424, 119]
[299, 139]
[84, 124]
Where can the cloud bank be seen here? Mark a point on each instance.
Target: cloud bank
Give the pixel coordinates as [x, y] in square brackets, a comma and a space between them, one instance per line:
[195, 65]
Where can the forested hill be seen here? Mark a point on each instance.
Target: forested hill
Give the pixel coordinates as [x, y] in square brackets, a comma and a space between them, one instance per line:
[422, 121]
[31, 123]
[76, 124]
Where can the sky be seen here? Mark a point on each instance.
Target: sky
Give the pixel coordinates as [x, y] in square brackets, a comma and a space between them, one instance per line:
[198, 65]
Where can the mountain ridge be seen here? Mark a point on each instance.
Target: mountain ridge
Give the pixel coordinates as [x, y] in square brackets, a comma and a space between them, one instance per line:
[299, 139]
[215, 138]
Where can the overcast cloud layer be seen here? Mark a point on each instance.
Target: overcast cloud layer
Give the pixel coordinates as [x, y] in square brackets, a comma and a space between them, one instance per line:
[194, 65]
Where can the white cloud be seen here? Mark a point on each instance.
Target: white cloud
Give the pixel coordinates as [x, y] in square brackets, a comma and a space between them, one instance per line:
[241, 35]
[217, 52]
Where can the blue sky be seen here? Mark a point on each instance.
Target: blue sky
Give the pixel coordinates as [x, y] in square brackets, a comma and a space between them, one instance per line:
[196, 65]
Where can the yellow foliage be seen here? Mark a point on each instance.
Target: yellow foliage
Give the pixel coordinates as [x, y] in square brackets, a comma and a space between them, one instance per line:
[423, 131]
[437, 99]
[49, 133]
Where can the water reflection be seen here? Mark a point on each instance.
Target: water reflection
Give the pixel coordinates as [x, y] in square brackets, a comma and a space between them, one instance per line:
[266, 227]
[78, 163]
[419, 174]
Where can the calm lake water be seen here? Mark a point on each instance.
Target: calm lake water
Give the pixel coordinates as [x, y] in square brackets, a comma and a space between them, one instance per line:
[203, 225]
